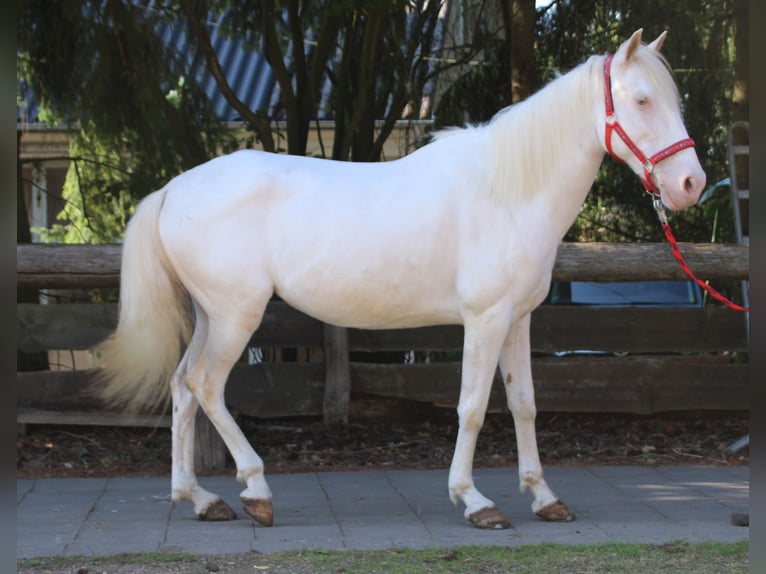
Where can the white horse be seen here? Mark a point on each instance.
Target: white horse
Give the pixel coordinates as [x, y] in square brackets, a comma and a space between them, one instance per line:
[462, 231]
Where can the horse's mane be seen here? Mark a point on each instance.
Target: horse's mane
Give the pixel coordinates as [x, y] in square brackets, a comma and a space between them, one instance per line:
[524, 140]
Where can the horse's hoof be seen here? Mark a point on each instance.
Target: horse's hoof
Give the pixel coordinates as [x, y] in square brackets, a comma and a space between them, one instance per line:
[217, 511]
[489, 518]
[259, 510]
[556, 512]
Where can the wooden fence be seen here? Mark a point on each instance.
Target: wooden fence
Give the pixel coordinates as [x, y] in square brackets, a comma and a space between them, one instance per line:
[679, 358]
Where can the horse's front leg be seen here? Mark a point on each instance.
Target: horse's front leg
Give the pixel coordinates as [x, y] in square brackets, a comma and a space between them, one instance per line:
[516, 369]
[481, 347]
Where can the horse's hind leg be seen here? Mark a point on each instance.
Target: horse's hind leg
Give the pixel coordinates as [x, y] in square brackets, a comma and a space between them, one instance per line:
[207, 506]
[516, 369]
[226, 339]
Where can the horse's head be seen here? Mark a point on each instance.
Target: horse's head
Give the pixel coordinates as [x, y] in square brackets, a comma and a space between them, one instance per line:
[645, 128]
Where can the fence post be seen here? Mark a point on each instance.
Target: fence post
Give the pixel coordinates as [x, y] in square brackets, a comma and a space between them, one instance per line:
[209, 448]
[337, 389]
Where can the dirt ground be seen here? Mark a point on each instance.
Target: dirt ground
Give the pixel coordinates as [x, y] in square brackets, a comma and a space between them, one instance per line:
[301, 445]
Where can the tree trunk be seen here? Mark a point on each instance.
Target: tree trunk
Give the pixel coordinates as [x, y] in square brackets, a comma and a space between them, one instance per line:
[363, 115]
[740, 101]
[522, 44]
[337, 392]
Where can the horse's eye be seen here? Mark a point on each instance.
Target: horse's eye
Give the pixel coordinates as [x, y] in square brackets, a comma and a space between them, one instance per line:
[642, 100]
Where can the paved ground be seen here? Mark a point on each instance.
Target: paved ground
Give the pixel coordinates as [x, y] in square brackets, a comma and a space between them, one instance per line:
[380, 509]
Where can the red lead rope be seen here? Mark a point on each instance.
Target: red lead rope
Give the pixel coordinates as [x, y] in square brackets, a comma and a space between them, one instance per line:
[680, 258]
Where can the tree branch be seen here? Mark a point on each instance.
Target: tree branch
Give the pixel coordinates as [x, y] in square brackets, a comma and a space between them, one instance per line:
[259, 122]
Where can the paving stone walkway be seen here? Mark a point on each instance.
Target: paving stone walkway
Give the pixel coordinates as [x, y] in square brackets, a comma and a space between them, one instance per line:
[380, 509]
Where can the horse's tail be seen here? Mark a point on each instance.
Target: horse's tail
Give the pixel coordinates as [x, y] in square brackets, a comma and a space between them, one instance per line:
[155, 319]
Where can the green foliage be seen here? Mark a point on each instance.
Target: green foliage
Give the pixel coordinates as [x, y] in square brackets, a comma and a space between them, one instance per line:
[98, 202]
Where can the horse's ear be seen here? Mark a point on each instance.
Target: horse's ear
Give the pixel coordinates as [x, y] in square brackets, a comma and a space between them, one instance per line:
[657, 44]
[633, 43]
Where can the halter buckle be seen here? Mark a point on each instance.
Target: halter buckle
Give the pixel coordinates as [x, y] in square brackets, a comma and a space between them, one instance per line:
[659, 207]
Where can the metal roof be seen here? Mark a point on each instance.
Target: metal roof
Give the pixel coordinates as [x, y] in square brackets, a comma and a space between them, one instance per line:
[247, 72]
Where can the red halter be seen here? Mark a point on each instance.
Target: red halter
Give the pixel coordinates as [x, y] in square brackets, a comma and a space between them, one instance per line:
[613, 125]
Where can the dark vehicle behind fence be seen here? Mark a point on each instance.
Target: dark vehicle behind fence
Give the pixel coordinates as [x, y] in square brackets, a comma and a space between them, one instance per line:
[623, 294]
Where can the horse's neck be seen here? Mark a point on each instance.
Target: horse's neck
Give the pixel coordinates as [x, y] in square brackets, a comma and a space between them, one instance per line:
[556, 152]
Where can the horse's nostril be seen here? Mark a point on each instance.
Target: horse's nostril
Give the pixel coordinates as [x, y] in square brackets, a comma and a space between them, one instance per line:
[693, 184]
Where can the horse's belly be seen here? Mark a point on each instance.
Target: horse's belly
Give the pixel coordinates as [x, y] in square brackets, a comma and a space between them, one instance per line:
[372, 297]
[364, 313]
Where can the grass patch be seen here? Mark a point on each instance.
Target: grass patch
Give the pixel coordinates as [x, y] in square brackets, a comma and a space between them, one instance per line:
[676, 557]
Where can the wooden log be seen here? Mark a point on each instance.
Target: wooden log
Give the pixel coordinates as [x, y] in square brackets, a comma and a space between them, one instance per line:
[274, 390]
[66, 390]
[641, 384]
[337, 390]
[74, 266]
[636, 385]
[576, 327]
[649, 261]
[209, 448]
[83, 325]
[86, 418]
[265, 390]
[67, 266]
[633, 384]
[637, 329]
[63, 326]
[442, 338]
[554, 328]
[283, 326]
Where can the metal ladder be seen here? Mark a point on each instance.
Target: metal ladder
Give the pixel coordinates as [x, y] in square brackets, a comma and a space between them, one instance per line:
[740, 199]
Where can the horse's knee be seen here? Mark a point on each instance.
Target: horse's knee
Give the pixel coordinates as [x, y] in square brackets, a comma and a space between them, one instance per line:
[470, 418]
[522, 405]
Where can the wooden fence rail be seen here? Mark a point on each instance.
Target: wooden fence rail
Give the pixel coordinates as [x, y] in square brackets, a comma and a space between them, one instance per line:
[74, 266]
[677, 358]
